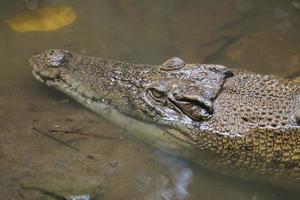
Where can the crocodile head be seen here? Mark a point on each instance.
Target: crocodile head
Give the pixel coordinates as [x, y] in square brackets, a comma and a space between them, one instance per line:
[174, 94]
[233, 121]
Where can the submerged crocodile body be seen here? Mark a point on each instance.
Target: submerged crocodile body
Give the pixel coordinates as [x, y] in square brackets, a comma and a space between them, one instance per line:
[233, 121]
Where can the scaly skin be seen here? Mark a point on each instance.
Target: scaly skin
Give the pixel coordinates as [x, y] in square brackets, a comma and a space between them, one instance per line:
[233, 121]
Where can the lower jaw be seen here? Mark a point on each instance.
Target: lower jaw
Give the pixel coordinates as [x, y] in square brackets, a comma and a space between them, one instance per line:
[149, 133]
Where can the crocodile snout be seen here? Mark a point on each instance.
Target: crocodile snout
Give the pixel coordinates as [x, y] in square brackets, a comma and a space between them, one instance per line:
[50, 64]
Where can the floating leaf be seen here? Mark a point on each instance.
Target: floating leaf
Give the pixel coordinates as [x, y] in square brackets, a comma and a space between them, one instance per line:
[43, 19]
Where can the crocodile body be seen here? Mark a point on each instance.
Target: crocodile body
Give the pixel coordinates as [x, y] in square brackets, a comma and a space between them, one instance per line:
[233, 121]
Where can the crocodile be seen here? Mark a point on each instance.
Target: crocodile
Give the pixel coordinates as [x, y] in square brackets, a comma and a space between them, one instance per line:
[233, 121]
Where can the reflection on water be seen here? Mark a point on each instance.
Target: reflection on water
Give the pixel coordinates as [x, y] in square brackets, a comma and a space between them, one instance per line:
[258, 35]
[31, 4]
[181, 177]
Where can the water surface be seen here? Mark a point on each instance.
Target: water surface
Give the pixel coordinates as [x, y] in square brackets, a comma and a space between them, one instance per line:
[52, 147]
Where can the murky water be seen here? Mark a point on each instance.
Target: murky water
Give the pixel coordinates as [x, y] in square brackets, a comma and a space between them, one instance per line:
[51, 147]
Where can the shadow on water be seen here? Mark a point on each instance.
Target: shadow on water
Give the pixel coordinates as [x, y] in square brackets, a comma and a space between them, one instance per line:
[51, 147]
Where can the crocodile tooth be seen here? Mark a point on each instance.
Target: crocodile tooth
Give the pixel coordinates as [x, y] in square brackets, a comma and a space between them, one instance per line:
[89, 101]
[80, 89]
[67, 78]
[37, 76]
[75, 84]
[88, 94]
[44, 73]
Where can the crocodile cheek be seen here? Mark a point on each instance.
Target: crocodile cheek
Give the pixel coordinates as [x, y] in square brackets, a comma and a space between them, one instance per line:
[163, 112]
[197, 107]
[192, 110]
[174, 115]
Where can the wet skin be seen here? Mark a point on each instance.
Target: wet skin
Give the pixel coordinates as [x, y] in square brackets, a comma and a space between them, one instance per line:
[232, 121]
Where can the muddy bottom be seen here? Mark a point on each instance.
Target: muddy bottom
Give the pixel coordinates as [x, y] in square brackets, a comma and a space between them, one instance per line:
[52, 148]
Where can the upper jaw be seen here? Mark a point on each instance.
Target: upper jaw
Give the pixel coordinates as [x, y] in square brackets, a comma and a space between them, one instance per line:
[37, 76]
[40, 70]
[45, 77]
[56, 78]
[37, 69]
[35, 61]
[42, 73]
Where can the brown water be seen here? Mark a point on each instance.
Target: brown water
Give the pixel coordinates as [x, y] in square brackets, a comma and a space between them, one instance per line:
[88, 155]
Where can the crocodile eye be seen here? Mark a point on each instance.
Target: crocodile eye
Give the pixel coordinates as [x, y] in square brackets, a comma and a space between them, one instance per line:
[156, 93]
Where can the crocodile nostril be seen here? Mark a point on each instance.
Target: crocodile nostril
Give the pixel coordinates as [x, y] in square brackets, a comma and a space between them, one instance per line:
[56, 57]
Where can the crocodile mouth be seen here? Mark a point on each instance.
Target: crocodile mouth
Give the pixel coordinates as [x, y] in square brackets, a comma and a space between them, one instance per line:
[64, 84]
[57, 77]
[162, 137]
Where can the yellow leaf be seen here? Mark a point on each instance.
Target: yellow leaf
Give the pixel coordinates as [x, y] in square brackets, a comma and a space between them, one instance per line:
[43, 19]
